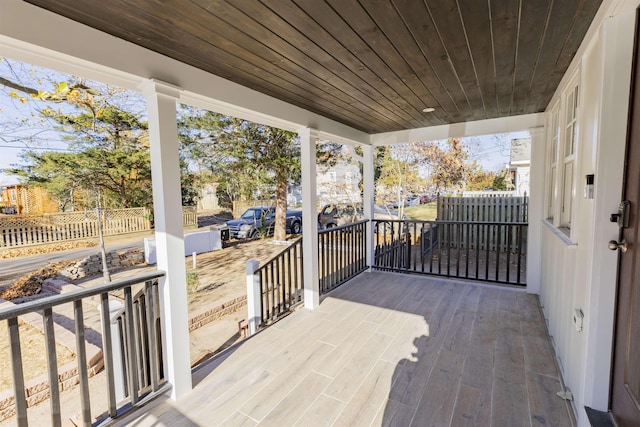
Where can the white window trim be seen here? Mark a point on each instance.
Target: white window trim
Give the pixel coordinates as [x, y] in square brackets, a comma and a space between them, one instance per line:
[552, 162]
[570, 142]
[563, 221]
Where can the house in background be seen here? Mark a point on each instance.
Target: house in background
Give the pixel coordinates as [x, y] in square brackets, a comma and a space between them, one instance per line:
[565, 71]
[339, 184]
[519, 167]
[22, 199]
[209, 197]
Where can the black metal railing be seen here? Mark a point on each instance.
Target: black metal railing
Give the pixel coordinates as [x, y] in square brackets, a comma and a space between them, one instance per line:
[342, 254]
[487, 251]
[141, 339]
[147, 346]
[281, 283]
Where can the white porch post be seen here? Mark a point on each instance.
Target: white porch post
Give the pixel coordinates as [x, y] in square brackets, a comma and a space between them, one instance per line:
[368, 180]
[308, 140]
[165, 173]
[536, 209]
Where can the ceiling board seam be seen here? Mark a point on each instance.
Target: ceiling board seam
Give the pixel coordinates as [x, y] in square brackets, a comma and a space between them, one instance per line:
[473, 63]
[541, 43]
[266, 86]
[359, 112]
[373, 51]
[515, 59]
[355, 100]
[571, 27]
[346, 67]
[493, 55]
[444, 46]
[435, 73]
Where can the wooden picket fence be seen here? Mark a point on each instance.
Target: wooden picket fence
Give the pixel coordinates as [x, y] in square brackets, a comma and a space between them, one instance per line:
[27, 230]
[487, 210]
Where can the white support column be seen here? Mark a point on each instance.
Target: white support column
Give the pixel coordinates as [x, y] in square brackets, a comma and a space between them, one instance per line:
[536, 209]
[253, 296]
[368, 179]
[308, 140]
[167, 202]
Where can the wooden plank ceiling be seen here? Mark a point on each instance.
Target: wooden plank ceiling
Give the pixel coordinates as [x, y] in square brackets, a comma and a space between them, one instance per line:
[371, 64]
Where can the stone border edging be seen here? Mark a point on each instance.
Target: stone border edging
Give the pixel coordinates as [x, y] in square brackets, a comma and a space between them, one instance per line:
[210, 314]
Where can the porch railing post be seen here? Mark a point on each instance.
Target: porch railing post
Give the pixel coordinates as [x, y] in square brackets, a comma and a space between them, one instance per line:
[368, 180]
[254, 296]
[311, 278]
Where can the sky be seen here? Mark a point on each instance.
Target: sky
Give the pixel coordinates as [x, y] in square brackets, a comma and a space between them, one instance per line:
[21, 127]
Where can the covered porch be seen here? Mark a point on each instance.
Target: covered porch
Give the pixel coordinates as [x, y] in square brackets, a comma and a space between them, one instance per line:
[385, 349]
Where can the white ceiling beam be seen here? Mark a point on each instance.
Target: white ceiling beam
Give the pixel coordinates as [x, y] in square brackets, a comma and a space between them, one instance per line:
[460, 130]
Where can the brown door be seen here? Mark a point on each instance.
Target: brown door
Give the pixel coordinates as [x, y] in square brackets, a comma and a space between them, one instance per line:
[625, 396]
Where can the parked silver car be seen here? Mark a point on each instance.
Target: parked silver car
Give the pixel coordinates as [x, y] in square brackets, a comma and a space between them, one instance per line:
[334, 215]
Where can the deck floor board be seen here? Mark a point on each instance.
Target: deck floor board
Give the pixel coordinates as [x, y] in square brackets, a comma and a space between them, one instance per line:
[385, 349]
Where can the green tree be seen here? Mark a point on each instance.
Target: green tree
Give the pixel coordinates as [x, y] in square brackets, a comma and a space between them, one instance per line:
[479, 179]
[108, 143]
[55, 172]
[398, 166]
[448, 165]
[111, 153]
[249, 156]
[500, 182]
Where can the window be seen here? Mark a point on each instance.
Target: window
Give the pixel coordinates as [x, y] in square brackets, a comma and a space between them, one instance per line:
[562, 165]
[553, 161]
[569, 160]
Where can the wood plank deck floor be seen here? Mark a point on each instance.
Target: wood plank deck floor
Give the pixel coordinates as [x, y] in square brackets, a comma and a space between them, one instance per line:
[386, 350]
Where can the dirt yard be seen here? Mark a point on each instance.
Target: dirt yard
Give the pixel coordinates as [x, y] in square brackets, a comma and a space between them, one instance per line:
[34, 356]
[221, 274]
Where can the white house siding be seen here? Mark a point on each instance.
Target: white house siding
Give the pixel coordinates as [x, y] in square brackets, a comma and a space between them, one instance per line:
[578, 271]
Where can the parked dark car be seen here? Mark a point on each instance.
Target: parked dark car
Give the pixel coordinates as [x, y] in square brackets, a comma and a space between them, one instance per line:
[258, 221]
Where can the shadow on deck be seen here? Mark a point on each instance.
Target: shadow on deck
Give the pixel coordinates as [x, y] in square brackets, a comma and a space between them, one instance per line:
[385, 349]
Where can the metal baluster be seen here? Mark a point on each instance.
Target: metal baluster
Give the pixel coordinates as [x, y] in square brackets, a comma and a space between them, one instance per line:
[261, 274]
[131, 351]
[289, 276]
[82, 363]
[272, 283]
[295, 269]
[449, 239]
[487, 247]
[458, 244]
[18, 376]
[520, 243]
[107, 351]
[151, 326]
[52, 362]
[334, 248]
[498, 242]
[477, 248]
[431, 245]
[509, 240]
[282, 284]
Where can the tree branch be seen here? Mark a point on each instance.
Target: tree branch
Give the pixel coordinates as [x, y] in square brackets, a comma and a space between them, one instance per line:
[18, 87]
